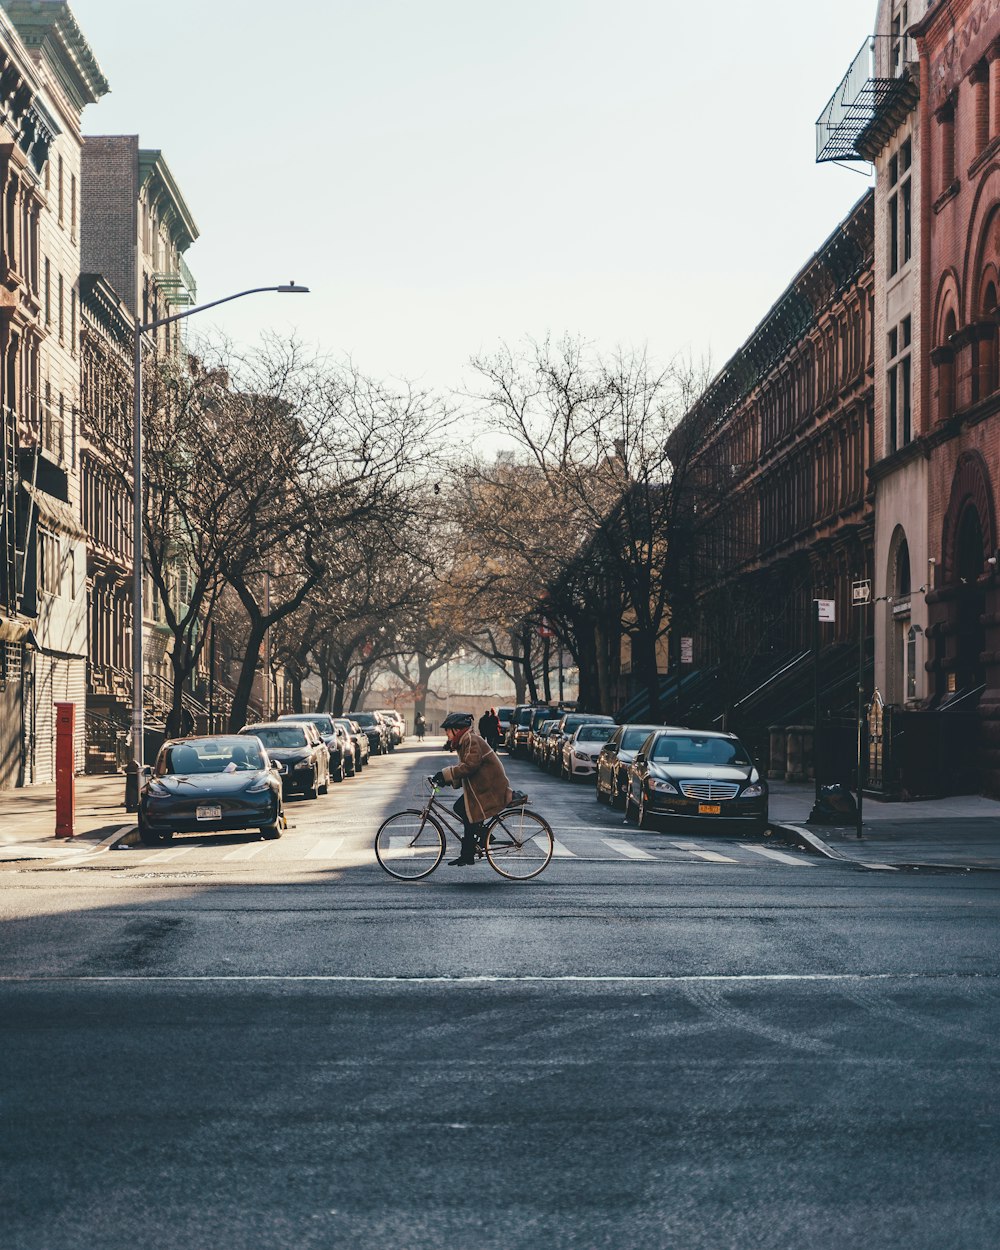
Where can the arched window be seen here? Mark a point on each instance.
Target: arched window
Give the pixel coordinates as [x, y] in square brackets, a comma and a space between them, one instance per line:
[988, 343]
[946, 369]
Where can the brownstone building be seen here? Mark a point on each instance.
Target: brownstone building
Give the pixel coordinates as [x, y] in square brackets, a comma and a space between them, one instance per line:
[781, 512]
[959, 55]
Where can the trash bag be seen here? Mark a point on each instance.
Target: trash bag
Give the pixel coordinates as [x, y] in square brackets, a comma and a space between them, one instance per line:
[836, 805]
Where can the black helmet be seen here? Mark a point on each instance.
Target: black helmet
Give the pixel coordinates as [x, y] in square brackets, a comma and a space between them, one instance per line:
[457, 720]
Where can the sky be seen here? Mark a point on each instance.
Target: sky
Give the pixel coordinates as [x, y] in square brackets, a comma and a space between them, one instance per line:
[449, 174]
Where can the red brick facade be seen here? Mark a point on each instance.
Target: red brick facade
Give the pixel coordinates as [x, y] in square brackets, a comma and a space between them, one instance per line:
[959, 53]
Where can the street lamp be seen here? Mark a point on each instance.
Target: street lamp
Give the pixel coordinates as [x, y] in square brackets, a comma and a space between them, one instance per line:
[134, 769]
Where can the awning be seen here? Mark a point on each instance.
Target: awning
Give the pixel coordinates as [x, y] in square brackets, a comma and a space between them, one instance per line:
[54, 513]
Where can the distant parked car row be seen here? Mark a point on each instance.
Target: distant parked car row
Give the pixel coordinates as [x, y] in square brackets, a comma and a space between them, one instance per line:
[226, 782]
[662, 774]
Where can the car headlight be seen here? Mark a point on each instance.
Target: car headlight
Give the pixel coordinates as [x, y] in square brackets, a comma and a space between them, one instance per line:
[755, 791]
[158, 790]
[664, 787]
[581, 755]
[259, 784]
[303, 765]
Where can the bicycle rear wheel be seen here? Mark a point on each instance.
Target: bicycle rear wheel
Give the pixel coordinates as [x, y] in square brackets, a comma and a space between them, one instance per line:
[409, 845]
[519, 844]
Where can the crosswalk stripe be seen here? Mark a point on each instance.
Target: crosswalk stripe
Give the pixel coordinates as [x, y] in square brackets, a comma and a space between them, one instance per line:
[558, 849]
[247, 852]
[627, 849]
[161, 857]
[780, 856]
[325, 848]
[712, 856]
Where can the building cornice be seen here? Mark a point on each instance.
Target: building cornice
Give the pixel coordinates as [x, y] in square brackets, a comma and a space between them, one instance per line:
[48, 28]
[165, 197]
[100, 297]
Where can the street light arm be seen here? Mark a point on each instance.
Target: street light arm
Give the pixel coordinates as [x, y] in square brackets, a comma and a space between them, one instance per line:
[289, 289]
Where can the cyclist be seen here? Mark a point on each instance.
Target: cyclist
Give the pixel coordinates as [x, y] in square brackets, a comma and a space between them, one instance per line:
[485, 788]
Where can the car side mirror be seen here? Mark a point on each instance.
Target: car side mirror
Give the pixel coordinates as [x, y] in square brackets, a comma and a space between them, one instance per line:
[275, 766]
[640, 759]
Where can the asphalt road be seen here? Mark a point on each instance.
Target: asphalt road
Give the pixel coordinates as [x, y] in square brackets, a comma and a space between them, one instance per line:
[250, 1044]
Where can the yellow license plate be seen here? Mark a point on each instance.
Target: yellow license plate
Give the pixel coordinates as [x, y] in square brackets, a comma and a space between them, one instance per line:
[709, 809]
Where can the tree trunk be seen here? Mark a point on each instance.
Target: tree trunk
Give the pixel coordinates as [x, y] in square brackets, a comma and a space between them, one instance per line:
[179, 721]
[644, 651]
[248, 669]
[546, 665]
[296, 680]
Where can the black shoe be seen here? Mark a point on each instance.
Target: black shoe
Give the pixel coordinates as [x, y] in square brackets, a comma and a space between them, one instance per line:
[461, 862]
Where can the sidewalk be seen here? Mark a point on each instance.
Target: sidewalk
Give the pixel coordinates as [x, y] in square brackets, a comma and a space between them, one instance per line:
[958, 832]
[28, 819]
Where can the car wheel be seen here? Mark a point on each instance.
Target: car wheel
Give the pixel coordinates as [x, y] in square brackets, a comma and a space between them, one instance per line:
[601, 796]
[153, 837]
[325, 787]
[628, 807]
[272, 831]
[312, 792]
[644, 819]
[617, 794]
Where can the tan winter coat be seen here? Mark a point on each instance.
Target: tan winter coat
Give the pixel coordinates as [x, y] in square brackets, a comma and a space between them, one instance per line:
[481, 775]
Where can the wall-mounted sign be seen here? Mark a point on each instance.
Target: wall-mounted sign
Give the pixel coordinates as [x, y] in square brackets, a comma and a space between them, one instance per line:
[687, 650]
[861, 593]
[826, 609]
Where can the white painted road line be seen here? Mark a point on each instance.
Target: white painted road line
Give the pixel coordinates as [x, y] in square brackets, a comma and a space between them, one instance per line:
[247, 852]
[712, 856]
[557, 848]
[780, 856]
[161, 857]
[627, 849]
[325, 848]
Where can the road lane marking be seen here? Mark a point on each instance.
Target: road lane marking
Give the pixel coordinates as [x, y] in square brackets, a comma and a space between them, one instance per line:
[627, 849]
[325, 848]
[557, 847]
[247, 852]
[161, 857]
[712, 856]
[780, 856]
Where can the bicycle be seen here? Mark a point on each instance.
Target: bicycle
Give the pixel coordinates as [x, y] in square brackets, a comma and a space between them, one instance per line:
[517, 842]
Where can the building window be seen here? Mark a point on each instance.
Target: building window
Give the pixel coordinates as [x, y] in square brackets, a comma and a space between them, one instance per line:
[897, 37]
[62, 325]
[48, 292]
[59, 191]
[899, 385]
[946, 146]
[72, 207]
[900, 242]
[49, 578]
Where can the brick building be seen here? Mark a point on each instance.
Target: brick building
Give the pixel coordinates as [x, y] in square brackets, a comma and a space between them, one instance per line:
[781, 513]
[51, 75]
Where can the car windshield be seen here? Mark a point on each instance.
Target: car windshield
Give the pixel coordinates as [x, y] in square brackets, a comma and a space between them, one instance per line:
[209, 755]
[323, 723]
[632, 739]
[542, 716]
[595, 733]
[504, 713]
[524, 716]
[285, 736]
[366, 718]
[678, 749]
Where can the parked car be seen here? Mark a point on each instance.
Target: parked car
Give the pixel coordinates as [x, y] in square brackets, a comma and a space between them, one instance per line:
[210, 785]
[359, 740]
[388, 717]
[581, 749]
[527, 720]
[536, 740]
[376, 729]
[301, 754]
[613, 762]
[569, 722]
[697, 779]
[504, 716]
[324, 724]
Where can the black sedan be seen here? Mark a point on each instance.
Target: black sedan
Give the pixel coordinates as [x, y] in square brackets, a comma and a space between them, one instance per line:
[210, 785]
[614, 760]
[300, 753]
[698, 780]
[325, 726]
[376, 729]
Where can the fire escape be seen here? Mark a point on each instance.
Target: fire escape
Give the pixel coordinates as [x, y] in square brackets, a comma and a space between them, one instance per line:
[866, 108]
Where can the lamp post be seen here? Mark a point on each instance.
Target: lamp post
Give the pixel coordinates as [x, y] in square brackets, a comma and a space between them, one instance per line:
[134, 769]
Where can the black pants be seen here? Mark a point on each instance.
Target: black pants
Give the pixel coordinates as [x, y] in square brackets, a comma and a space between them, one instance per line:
[472, 829]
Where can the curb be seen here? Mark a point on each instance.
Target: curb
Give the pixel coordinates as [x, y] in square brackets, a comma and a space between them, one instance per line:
[813, 843]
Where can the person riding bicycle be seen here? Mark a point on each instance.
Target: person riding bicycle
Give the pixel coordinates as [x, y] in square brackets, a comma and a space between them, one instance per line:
[485, 788]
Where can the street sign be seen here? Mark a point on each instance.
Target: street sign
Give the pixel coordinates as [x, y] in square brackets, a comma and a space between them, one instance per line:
[687, 650]
[861, 593]
[826, 609]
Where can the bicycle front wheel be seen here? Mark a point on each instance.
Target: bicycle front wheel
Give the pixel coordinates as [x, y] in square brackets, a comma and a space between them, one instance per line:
[409, 845]
[519, 844]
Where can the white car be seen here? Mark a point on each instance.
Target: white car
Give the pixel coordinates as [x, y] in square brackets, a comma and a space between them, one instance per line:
[581, 749]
